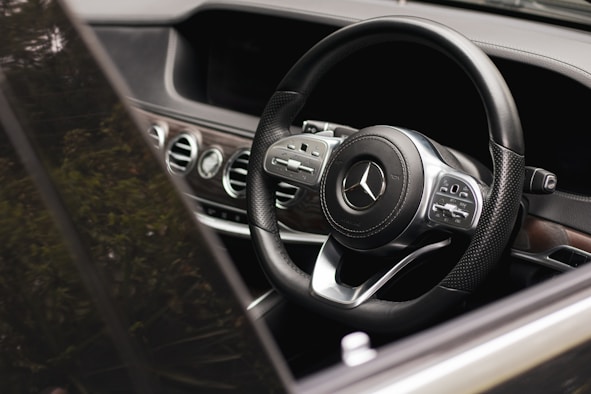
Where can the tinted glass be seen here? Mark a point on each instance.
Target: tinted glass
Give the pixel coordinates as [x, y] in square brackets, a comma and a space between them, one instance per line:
[107, 283]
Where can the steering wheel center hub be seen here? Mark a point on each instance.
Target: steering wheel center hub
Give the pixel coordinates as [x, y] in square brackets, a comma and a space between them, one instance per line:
[363, 185]
[372, 187]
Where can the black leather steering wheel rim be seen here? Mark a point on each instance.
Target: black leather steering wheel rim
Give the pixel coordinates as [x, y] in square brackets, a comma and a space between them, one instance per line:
[501, 202]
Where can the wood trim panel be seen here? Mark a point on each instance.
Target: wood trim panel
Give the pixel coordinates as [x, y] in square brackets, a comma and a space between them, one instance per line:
[305, 215]
[538, 235]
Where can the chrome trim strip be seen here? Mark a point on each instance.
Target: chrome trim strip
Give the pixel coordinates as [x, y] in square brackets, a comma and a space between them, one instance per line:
[259, 300]
[242, 231]
[481, 364]
[544, 259]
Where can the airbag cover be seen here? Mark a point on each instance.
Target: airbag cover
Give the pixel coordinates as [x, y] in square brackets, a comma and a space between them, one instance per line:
[372, 187]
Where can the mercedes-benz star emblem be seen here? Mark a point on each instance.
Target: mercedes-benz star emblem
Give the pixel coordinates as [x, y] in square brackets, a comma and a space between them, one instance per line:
[363, 185]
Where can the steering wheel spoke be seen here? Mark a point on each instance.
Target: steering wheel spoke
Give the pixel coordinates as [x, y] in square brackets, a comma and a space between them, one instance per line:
[300, 158]
[326, 285]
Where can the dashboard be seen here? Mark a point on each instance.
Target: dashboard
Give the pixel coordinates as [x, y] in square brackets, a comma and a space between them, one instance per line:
[211, 70]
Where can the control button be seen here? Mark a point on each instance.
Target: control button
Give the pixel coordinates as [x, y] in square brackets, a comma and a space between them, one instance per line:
[463, 195]
[209, 163]
[450, 210]
[457, 213]
[293, 165]
[356, 349]
[538, 180]
[443, 189]
[309, 170]
[299, 158]
[224, 214]
[550, 183]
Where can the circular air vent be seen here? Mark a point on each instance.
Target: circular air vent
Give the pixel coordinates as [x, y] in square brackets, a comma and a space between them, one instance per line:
[286, 194]
[235, 181]
[235, 174]
[158, 133]
[181, 154]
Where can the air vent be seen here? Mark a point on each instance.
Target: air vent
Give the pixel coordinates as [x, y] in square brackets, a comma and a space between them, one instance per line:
[286, 194]
[158, 133]
[181, 154]
[235, 174]
[235, 181]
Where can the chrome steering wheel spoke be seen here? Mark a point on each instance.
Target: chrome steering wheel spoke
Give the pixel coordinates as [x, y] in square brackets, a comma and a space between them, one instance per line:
[326, 285]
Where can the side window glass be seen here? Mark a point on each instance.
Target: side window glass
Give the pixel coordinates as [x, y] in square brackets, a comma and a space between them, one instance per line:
[51, 336]
[106, 280]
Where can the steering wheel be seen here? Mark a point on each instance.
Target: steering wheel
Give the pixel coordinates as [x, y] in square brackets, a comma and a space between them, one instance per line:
[382, 188]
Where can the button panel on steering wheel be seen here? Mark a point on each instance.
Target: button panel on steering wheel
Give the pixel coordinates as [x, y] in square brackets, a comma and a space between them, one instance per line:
[453, 203]
[300, 158]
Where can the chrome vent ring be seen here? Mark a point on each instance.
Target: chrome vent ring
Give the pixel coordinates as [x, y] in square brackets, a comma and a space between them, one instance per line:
[181, 154]
[158, 133]
[235, 174]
